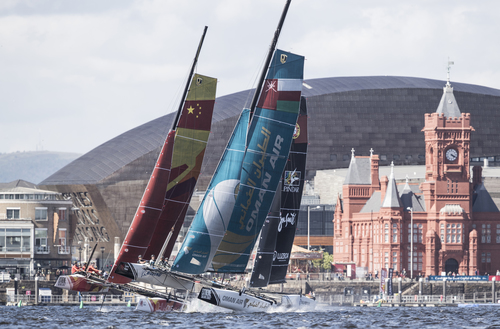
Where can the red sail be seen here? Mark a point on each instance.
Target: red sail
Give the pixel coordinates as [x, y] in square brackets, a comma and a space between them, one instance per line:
[139, 234]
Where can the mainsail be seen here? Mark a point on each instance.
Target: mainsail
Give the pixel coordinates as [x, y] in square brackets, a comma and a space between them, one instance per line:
[191, 140]
[276, 239]
[210, 222]
[166, 198]
[268, 144]
[291, 197]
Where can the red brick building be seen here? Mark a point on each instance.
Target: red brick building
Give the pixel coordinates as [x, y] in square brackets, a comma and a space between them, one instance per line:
[456, 224]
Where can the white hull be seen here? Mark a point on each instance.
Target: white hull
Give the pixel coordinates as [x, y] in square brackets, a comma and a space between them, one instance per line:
[234, 300]
[155, 276]
[297, 303]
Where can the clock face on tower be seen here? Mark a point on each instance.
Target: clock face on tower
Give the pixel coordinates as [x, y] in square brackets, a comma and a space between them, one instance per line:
[451, 154]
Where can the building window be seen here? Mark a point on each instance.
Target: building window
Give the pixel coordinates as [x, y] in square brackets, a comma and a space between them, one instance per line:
[41, 213]
[13, 213]
[394, 233]
[2, 240]
[63, 249]
[41, 246]
[483, 257]
[486, 233]
[62, 214]
[17, 240]
[498, 233]
[418, 260]
[386, 233]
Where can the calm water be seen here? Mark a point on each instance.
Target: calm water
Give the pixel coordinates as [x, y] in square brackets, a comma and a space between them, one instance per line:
[323, 317]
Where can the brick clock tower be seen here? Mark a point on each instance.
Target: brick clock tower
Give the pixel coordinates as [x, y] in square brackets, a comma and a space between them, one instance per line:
[447, 187]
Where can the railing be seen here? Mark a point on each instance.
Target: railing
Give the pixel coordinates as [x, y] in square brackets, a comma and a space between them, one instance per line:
[72, 299]
[15, 249]
[63, 250]
[42, 249]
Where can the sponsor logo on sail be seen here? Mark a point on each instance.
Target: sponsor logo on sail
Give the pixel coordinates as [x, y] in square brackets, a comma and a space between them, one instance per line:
[292, 181]
[283, 58]
[288, 219]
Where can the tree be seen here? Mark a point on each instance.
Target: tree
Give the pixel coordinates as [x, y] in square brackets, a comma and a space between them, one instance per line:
[325, 263]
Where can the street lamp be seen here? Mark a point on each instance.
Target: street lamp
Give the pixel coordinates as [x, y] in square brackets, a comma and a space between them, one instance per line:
[411, 241]
[102, 258]
[309, 225]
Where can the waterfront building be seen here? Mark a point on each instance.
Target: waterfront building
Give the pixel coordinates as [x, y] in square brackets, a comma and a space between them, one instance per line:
[35, 229]
[447, 223]
[383, 112]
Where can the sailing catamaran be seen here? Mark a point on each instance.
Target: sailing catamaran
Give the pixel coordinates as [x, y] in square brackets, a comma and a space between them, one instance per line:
[276, 239]
[277, 235]
[238, 200]
[163, 206]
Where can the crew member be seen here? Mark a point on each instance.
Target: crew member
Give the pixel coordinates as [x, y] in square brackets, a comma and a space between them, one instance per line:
[75, 268]
[152, 261]
[140, 260]
[162, 262]
[93, 269]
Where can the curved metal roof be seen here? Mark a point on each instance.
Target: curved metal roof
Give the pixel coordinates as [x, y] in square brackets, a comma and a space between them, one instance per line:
[114, 154]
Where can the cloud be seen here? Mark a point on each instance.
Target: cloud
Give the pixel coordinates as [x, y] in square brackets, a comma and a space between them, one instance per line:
[82, 72]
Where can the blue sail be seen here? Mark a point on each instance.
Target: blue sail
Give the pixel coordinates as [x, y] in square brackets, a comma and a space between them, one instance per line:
[268, 145]
[210, 222]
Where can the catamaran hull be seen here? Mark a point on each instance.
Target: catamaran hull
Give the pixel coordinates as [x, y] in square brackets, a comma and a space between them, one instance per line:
[297, 302]
[150, 305]
[77, 282]
[154, 276]
[234, 300]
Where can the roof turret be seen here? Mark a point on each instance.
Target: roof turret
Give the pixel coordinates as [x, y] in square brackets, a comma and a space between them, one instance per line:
[391, 199]
[448, 105]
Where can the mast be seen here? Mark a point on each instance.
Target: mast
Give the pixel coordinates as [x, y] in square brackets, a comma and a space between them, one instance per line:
[174, 123]
[268, 59]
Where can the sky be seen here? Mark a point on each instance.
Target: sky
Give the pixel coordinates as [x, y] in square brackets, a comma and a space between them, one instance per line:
[75, 74]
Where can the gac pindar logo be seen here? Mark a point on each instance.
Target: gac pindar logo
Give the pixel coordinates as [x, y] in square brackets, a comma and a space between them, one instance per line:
[292, 181]
[283, 58]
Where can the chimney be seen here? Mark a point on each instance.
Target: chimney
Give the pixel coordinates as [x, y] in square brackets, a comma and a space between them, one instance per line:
[383, 184]
[477, 176]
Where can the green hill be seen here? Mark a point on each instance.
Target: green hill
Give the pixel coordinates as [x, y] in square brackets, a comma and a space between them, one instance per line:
[33, 167]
